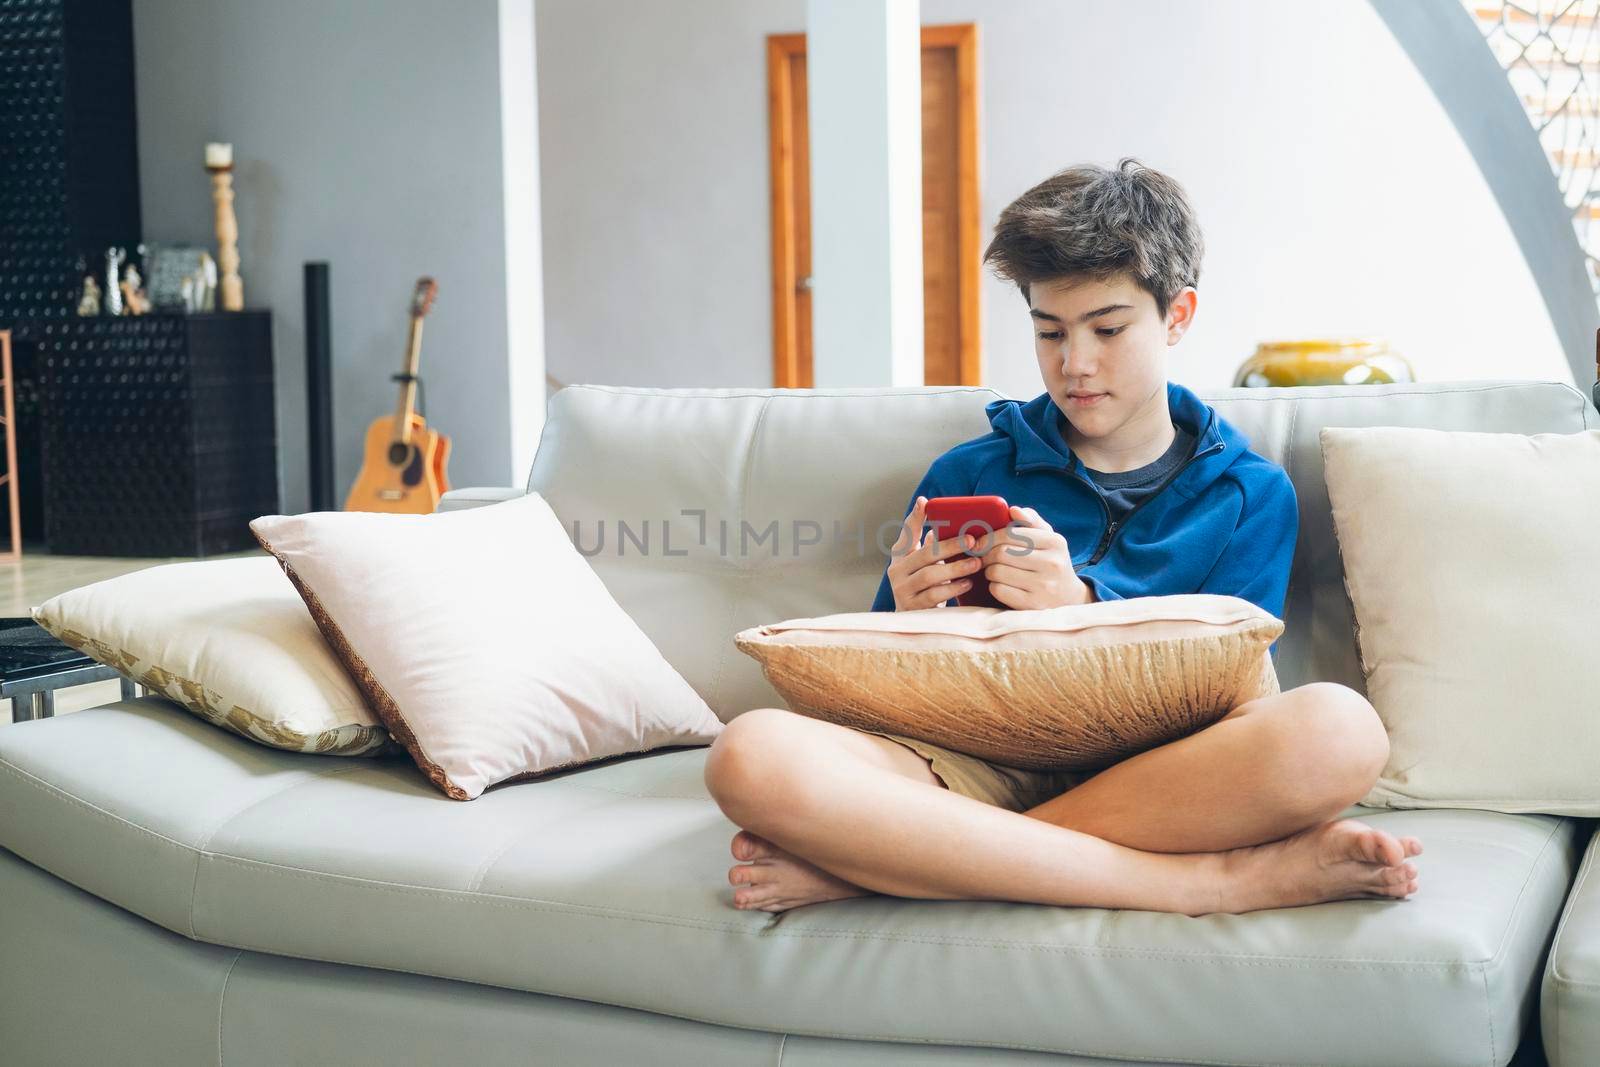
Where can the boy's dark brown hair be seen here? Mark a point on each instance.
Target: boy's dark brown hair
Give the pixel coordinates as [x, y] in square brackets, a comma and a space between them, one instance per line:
[1101, 221]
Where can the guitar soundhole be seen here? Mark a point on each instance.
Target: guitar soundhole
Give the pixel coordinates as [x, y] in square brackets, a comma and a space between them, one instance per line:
[409, 459]
[412, 475]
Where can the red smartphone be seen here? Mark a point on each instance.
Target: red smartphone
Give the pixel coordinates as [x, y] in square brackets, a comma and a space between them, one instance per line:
[980, 516]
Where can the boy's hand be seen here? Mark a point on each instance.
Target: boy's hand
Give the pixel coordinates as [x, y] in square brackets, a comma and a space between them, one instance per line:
[1038, 577]
[923, 575]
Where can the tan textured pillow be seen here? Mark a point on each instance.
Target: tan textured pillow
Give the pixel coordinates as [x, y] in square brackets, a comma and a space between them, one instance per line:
[1470, 562]
[230, 640]
[485, 642]
[1078, 687]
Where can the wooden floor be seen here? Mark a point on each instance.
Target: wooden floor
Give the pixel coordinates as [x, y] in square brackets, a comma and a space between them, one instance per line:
[37, 577]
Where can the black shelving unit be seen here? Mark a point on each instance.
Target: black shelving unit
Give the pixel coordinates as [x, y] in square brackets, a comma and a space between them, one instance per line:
[161, 439]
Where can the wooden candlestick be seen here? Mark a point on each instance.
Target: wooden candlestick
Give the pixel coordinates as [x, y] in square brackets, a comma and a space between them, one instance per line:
[231, 288]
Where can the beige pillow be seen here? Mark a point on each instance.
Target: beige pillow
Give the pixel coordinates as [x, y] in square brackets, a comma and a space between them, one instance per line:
[484, 640]
[1472, 570]
[1079, 687]
[230, 640]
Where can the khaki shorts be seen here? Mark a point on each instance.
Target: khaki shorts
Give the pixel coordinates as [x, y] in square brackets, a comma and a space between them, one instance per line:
[1013, 788]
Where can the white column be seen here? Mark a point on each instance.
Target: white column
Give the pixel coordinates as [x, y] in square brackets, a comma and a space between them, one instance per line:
[519, 156]
[864, 91]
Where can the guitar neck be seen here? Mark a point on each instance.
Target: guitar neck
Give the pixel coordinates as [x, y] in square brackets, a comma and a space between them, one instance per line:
[408, 384]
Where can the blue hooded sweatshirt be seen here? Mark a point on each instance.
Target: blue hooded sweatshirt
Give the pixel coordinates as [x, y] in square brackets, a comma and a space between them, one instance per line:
[1224, 522]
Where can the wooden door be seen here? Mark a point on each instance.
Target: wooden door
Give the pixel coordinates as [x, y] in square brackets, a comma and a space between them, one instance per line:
[950, 253]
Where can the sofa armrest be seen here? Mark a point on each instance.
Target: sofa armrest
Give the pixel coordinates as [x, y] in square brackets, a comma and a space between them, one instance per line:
[477, 497]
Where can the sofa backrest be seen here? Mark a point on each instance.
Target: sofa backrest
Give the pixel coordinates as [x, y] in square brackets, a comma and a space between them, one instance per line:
[706, 511]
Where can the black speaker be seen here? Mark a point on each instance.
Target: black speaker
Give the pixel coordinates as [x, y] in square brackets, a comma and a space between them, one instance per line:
[319, 387]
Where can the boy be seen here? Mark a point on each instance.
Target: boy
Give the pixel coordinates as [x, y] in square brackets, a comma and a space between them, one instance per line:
[1122, 484]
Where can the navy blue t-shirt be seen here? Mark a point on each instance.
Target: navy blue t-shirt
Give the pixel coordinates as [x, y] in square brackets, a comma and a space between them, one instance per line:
[1122, 490]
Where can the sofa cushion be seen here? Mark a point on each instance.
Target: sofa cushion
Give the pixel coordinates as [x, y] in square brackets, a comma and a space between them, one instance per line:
[773, 499]
[1473, 605]
[1081, 686]
[608, 885]
[1569, 1001]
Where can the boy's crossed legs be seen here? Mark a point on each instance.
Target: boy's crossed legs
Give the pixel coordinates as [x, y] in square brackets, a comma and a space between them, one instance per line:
[1235, 817]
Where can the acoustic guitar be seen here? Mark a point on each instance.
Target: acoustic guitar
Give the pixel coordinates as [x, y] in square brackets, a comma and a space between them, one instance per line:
[403, 469]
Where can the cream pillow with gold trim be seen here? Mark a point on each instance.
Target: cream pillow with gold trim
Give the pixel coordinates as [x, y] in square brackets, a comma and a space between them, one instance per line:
[1078, 687]
[230, 640]
[1470, 562]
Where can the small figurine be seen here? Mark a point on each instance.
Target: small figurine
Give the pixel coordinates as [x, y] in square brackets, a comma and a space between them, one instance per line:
[114, 258]
[207, 288]
[132, 295]
[89, 302]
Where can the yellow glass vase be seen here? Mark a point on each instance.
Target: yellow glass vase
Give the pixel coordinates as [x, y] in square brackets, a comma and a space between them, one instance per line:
[1324, 361]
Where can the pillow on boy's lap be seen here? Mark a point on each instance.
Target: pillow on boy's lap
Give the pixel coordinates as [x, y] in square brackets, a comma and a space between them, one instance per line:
[484, 641]
[231, 641]
[1077, 687]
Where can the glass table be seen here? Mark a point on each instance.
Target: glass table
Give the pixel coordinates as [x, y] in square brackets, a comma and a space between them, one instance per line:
[33, 665]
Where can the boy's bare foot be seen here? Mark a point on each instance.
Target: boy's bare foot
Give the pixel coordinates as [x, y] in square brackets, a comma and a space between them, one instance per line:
[1335, 860]
[771, 879]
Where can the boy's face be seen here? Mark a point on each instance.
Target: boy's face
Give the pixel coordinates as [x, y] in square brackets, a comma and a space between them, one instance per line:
[1104, 337]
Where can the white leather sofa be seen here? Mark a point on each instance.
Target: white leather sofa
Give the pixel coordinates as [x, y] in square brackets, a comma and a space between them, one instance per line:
[172, 894]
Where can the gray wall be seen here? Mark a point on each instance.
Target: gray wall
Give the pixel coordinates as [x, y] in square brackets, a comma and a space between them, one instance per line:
[1335, 194]
[653, 176]
[366, 133]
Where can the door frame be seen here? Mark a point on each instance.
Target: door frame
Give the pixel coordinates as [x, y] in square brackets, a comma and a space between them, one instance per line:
[782, 49]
